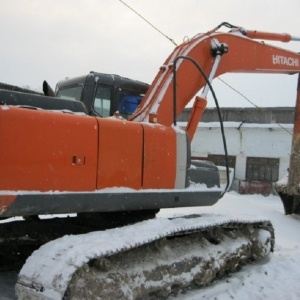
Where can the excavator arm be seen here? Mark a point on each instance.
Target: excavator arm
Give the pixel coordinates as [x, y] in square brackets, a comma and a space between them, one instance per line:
[216, 53]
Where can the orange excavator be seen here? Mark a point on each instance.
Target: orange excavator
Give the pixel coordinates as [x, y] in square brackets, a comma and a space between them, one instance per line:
[61, 162]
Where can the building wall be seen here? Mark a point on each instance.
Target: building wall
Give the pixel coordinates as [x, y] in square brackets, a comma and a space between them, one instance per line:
[262, 115]
[245, 141]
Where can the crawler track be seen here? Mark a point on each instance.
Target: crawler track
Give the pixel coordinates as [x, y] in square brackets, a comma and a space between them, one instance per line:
[18, 239]
[149, 260]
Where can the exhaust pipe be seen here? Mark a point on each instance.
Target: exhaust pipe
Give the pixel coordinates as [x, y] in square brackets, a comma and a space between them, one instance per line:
[48, 91]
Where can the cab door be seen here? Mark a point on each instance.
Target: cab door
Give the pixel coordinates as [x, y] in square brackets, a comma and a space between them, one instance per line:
[102, 105]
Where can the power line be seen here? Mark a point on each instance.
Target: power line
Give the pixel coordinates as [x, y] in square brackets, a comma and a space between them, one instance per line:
[235, 90]
[247, 99]
[171, 40]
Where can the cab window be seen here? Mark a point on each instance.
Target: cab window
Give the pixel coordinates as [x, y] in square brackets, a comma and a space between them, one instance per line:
[128, 102]
[102, 102]
[70, 92]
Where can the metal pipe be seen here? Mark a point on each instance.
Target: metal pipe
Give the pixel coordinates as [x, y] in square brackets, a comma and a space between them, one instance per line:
[211, 75]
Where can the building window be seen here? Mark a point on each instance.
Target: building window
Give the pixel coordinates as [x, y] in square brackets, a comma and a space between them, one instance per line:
[262, 169]
[219, 160]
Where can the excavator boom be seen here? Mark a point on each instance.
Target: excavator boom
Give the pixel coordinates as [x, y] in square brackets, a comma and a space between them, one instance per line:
[242, 55]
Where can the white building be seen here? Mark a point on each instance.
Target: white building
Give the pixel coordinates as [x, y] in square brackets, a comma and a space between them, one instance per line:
[259, 153]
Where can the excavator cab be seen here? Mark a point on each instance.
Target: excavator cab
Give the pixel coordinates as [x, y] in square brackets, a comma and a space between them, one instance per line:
[104, 94]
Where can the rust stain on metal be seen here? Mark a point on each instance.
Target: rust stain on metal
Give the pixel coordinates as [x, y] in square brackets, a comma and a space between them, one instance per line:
[294, 169]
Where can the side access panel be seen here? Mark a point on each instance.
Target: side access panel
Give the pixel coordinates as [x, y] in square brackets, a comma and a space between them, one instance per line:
[47, 151]
[120, 154]
[159, 157]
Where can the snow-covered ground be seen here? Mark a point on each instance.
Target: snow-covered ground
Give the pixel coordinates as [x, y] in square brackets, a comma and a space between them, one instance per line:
[276, 277]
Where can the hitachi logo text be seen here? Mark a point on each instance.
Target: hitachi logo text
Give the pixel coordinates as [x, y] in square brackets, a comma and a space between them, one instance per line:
[282, 60]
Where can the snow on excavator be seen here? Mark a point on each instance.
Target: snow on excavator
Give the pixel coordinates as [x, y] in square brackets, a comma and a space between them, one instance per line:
[59, 162]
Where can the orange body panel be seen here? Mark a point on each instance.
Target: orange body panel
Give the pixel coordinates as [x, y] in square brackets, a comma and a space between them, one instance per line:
[120, 154]
[47, 151]
[159, 157]
[5, 202]
[52, 151]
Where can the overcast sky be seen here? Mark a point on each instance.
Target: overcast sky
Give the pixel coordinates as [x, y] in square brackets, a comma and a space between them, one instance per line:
[54, 39]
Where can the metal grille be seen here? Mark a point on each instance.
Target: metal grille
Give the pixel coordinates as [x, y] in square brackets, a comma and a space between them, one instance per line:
[262, 169]
[219, 160]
